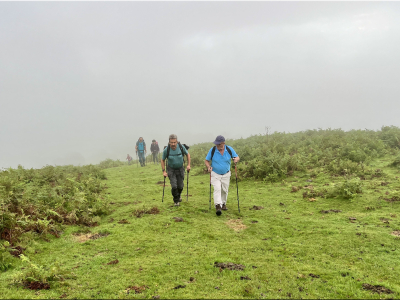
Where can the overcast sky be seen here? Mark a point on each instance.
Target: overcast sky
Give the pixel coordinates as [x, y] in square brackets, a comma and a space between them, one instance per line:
[81, 81]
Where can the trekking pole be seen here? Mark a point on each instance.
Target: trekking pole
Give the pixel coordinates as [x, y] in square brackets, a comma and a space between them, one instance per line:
[237, 188]
[137, 160]
[163, 191]
[210, 192]
[187, 186]
[166, 165]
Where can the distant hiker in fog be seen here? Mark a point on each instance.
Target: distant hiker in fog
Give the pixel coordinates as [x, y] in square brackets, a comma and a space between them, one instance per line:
[220, 156]
[175, 170]
[141, 150]
[129, 158]
[154, 151]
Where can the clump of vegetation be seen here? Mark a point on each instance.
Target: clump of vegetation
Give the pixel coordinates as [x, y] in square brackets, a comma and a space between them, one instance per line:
[314, 194]
[348, 189]
[395, 162]
[109, 163]
[39, 201]
[39, 277]
[5, 256]
[274, 157]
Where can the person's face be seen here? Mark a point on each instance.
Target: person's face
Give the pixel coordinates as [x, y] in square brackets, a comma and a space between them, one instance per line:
[141, 140]
[221, 146]
[173, 143]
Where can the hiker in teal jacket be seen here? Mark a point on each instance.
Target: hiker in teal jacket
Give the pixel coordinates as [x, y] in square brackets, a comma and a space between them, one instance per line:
[175, 170]
[141, 150]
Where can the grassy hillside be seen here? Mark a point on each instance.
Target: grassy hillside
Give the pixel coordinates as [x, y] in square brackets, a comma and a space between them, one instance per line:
[312, 233]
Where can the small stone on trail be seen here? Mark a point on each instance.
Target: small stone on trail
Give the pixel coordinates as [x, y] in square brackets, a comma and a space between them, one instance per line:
[178, 219]
[217, 287]
[191, 279]
[352, 219]
[156, 297]
[245, 278]
[281, 204]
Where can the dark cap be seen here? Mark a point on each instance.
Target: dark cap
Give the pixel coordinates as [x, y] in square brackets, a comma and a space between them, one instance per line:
[219, 139]
[153, 141]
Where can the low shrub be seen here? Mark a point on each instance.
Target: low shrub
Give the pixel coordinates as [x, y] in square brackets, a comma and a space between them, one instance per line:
[39, 277]
[278, 155]
[109, 163]
[347, 189]
[41, 200]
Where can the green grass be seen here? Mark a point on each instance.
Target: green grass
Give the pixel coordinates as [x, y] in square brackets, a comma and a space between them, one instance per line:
[287, 243]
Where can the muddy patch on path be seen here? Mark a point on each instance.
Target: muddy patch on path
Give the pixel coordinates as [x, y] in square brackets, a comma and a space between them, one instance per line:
[81, 238]
[236, 224]
[136, 289]
[257, 207]
[229, 266]
[36, 285]
[113, 262]
[396, 233]
[330, 210]
[150, 211]
[376, 289]
[124, 221]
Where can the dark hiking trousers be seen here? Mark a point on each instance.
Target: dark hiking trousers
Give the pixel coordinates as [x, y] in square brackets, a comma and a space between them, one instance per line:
[155, 157]
[176, 178]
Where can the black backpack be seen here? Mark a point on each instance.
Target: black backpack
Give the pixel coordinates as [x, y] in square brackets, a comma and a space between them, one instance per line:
[215, 147]
[180, 147]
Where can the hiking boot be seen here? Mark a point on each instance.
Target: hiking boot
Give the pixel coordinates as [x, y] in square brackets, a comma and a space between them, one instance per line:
[218, 209]
[177, 204]
[180, 199]
[224, 207]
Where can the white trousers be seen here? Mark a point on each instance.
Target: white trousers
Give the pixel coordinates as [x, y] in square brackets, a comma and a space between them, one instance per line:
[221, 187]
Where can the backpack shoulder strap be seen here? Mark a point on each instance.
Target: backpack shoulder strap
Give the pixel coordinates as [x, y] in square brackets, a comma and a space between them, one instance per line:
[180, 146]
[183, 153]
[167, 152]
[229, 151]
[213, 151]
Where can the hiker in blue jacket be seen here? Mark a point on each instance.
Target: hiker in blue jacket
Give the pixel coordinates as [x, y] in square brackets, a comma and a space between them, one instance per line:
[141, 150]
[220, 167]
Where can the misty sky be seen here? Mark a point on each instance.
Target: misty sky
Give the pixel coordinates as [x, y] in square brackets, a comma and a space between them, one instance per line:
[81, 81]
